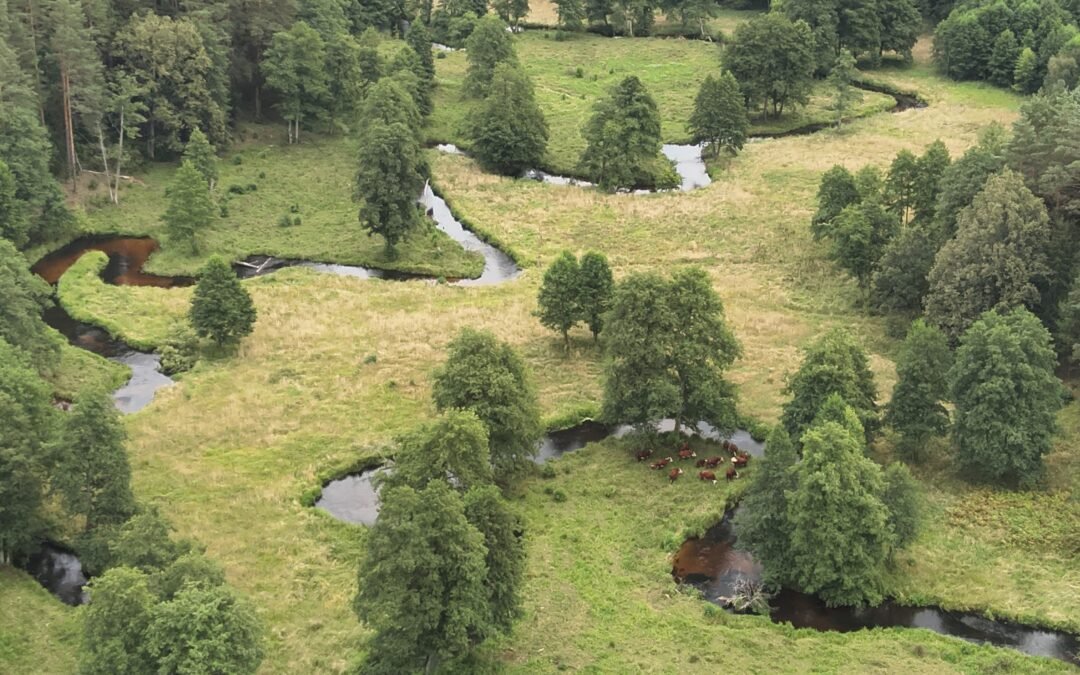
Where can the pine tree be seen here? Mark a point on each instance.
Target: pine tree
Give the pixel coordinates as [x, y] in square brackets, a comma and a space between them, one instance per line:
[1007, 398]
[623, 136]
[832, 364]
[560, 296]
[489, 378]
[508, 131]
[841, 537]
[929, 172]
[1002, 65]
[93, 473]
[762, 520]
[916, 410]
[902, 185]
[14, 216]
[836, 192]
[389, 178]
[719, 119]
[421, 582]
[595, 288]
[489, 45]
[844, 93]
[419, 38]
[190, 207]
[25, 297]
[202, 156]
[221, 308]
[1026, 76]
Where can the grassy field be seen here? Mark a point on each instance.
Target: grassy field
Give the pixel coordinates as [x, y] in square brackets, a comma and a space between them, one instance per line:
[721, 26]
[315, 177]
[38, 634]
[231, 451]
[672, 71]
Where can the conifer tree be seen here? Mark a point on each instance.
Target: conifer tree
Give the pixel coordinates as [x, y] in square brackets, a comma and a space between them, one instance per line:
[221, 308]
[419, 38]
[488, 512]
[915, 410]
[560, 296]
[841, 82]
[1002, 65]
[201, 154]
[190, 207]
[719, 119]
[25, 297]
[623, 136]
[595, 288]
[508, 131]
[489, 45]
[1026, 79]
[93, 473]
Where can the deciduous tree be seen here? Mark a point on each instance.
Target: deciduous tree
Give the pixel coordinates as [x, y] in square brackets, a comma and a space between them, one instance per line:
[773, 61]
[114, 624]
[622, 136]
[488, 512]
[202, 156]
[489, 45]
[389, 178]
[1006, 397]
[295, 67]
[559, 299]
[221, 308]
[453, 449]
[25, 297]
[489, 378]
[836, 192]
[762, 520]
[595, 288]
[841, 82]
[903, 498]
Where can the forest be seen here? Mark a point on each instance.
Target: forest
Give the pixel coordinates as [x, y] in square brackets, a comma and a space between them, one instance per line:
[394, 336]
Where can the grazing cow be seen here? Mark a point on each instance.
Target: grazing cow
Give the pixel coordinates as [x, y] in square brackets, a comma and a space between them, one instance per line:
[714, 462]
[707, 475]
[700, 463]
[673, 474]
[731, 474]
[687, 453]
[740, 460]
[726, 445]
[661, 463]
[733, 449]
[643, 455]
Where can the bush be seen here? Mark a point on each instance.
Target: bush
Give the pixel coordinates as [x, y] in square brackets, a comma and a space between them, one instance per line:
[235, 189]
[251, 187]
[223, 210]
[237, 160]
[284, 220]
[296, 221]
[371, 358]
[262, 174]
[579, 73]
[295, 208]
[558, 495]
[547, 472]
[561, 36]
[180, 352]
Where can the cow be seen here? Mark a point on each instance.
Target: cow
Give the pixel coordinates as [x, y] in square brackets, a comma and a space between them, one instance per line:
[714, 462]
[733, 449]
[674, 473]
[726, 445]
[740, 460]
[643, 455]
[687, 453]
[731, 473]
[700, 463]
[661, 463]
[707, 475]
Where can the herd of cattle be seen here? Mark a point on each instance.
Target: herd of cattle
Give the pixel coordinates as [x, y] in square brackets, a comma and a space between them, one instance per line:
[739, 459]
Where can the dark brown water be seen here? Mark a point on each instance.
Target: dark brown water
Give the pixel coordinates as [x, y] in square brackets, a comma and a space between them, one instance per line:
[127, 255]
[713, 563]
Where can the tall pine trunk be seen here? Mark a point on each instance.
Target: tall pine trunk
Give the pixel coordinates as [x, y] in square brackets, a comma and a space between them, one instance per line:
[69, 127]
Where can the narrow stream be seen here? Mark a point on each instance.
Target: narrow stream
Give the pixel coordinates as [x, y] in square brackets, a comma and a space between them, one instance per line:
[714, 564]
[59, 571]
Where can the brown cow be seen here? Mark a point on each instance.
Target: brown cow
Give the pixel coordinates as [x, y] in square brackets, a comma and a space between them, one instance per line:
[661, 463]
[731, 474]
[714, 462]
[740, 460]
[687, 453]
[733, 449]
[643, 455]
[726, 445]
[700, 463]
[707, 475]
[673, 474]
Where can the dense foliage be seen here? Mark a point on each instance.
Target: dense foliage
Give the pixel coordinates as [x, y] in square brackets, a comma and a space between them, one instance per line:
[623, 137]
[221, 308]
[772, 58]
[509, 132]
[916, 410]
[719, 121]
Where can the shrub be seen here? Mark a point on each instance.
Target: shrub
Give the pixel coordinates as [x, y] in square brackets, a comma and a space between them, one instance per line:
[579, 73]
[237, 160]
[558, 495]
[284, 220]
[547, 472]
[180, 352]
[296, 221]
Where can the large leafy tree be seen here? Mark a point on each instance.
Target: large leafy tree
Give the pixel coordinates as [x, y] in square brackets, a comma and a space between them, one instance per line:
[899, 282]
[489, 45]
[421, 582]
[836, 192]
[489, 378]
[668, 346]
[115, 622]
[832, 364]
[92, 471]
[571, 13]
[168, 60]
[1044, 149]
[204, 630]
[840, 530]
[762, 520]
[221, 308]
[406, 66]
[965, 178]
[508, 131]
[25, 296]
[719, 119]
[190, 207]
[773, 61]
[488, 512]
[901, 185]
[859, 236]
[295, 67]
[558, 302]
[930, 169]
[453, 449]
[202, 156]
[622, 136]
[999, 257]
[916, 410]
[595, 287]
[1006, 397]
[389, 178]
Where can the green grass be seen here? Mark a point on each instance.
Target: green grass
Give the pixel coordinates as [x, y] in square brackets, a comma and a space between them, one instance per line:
[233, 452]
[38, 634]
[314, 176]
[672, 71]
[79, 369]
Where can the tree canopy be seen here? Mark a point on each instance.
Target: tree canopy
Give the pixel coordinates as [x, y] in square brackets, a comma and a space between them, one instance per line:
[221, 308]
[509, 132]
[916, 410]
[719, 120]
[772, 58]
[622, 136]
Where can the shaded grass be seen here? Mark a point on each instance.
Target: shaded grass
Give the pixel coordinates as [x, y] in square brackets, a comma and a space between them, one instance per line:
[314, 176]
[672, 71]
[79, 369]
[38, 633]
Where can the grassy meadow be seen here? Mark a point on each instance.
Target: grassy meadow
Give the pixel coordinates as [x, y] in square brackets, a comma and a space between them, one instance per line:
[671, 69]
[338, 367]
